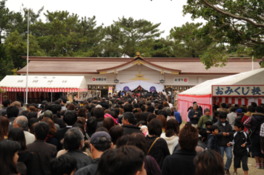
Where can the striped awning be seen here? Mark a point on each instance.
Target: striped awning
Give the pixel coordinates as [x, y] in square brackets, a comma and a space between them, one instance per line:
[44, 84]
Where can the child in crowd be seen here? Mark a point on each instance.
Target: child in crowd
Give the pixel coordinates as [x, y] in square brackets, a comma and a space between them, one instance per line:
[212, 139]
[240, 148]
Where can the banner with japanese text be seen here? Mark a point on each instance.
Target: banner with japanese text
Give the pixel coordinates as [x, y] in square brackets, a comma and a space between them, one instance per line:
[238, 90]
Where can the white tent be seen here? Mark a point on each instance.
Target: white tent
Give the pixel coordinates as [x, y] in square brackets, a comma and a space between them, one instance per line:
[146, 85]
[202, 93]
[15, 83]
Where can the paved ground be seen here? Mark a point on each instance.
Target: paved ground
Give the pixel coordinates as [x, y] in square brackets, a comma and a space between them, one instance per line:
[252, 169]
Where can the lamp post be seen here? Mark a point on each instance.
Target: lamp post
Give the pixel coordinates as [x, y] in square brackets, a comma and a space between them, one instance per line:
[26, 100]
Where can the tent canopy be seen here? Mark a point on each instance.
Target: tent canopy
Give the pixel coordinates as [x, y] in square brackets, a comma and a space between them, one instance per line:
[133, 85]
[202, 93]
[15, 83]
[254, 77]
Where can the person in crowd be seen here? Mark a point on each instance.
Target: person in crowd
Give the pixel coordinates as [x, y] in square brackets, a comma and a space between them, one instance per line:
[63, 165]
[261, 134]
[212, 143]
[5, 104]
[129, 123]
[177, 115]
[4, 125]
[12, 112]
[223, 108]
[225, 136]
[73, 143]
[171, 134]
[157, 147]
[108, 123]
[231, 117]
[240, 148]
[247, 115]
[9, 157]
[42, 152]
[116, 132]
[181, 161]
[91, 125]
[22, 122]
[98, 113]
[194, 115]
[25, 157]
[138, 140]
[118, 162]
[209, 162]
[51, 138]
[206, 117]
[99, 143]
[254, 124]
[69, 118]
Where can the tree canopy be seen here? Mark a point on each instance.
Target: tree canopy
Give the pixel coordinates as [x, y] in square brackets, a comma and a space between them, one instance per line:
[232, 24]
[231, 28]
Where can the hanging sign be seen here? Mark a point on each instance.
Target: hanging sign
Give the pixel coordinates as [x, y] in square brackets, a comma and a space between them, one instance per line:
[239, 90]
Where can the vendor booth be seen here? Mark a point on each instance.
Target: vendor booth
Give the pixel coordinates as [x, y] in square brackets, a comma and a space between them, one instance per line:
[241, 89]
[41, 87]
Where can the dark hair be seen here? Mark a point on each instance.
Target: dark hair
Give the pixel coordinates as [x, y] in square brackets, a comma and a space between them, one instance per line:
[4, 124]
[102, 144]
[214, 127]
[209, 162]
[32, 115]
[72, 139]
[150, 109]
[108, 123]
[222, 115]
[238, 124]
[8, 148]
[62, 165]
[116, 132]
[98, 113]
[188, 137]
[172, 128]
[150, 117]
[41, 130]
[124, 160]
[208, 123]
[12, 111]
[6, 103]
[259, 109]
[136, 139]
[130, 117]
[128, 107]
[17, 134]
[70, 117]
[91, 125]
[155, 127]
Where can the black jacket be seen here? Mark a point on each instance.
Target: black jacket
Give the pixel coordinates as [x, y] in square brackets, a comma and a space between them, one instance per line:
[129, 129]
[194, 120]
[226, 127]
[159, 150]
[180, 163]
[255, 123]
[212, 143]
[239, 139]
[89, 169]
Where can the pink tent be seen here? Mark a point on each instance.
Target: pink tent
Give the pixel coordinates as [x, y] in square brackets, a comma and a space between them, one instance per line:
[241, 89]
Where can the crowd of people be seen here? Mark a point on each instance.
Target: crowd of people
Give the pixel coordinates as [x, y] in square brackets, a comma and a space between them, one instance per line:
[128, 136]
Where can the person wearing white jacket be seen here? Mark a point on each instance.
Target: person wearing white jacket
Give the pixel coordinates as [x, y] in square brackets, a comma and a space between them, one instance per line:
[171, 134]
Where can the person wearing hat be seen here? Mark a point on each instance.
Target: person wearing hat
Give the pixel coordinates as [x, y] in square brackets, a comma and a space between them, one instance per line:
[99, 143]
[129, 123]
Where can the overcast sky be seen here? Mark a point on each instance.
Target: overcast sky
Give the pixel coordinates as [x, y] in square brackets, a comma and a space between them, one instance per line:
[167, 12]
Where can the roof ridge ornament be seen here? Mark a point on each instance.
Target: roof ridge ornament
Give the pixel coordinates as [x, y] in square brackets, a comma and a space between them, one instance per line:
[138, 56]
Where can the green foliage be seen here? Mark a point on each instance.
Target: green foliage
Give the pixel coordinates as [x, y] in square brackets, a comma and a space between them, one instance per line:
[232, 23]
